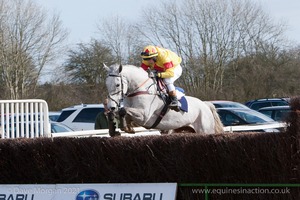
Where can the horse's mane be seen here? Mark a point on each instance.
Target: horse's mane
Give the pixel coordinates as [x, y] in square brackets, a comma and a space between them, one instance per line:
[115, 69]
[132, 69]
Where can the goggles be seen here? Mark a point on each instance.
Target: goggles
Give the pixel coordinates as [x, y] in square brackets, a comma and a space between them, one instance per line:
[145, 54]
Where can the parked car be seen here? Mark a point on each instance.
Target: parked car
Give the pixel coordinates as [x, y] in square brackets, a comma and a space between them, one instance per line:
[243, 120]
[227, 104]
[278, 113]
[30, 129]
[80, 117]
[53, 115]
[260, 103]
[57, 127]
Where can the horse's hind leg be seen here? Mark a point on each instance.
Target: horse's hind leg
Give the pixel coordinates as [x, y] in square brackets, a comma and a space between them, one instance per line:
[166, 132]
[184, 129]
[204, 124]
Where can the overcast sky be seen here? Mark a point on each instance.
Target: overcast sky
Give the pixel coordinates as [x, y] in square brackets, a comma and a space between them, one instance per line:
[81, 16]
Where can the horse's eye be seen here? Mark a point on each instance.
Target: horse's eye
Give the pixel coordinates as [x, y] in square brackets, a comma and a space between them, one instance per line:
[117, 85]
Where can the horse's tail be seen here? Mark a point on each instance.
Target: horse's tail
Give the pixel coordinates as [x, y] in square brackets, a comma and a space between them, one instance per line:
[218, 124]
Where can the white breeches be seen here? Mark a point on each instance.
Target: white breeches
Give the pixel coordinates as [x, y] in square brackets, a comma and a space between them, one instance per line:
[170, 81]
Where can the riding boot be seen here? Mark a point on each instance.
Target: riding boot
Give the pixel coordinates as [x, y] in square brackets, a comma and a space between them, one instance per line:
[174, 101]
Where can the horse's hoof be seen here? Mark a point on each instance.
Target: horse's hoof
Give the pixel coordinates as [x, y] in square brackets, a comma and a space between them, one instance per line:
[115, 134]
[128, 130]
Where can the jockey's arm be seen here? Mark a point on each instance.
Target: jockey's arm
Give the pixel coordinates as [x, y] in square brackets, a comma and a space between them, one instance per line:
[169, 72]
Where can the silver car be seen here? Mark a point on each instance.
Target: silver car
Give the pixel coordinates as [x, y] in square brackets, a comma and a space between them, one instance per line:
[248, 120]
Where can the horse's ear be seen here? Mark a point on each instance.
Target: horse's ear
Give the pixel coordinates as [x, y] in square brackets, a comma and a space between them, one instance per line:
[120, 68]
[105, 67]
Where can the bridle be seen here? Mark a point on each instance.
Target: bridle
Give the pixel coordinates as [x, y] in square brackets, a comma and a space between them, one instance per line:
[135, 92]
[122, 93]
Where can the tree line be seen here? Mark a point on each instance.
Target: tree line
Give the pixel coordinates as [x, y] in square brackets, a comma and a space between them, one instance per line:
[231, 49]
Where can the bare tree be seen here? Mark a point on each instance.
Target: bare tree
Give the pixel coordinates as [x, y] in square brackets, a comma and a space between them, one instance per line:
[209, 34]
[121, 37]
[28, 41]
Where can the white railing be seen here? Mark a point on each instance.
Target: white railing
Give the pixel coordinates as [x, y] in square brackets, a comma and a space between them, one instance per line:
[254, 127]
[139, 131]
[27, 118]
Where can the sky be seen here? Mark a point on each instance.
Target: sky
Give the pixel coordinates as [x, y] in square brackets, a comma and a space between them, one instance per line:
[80, 17]
[286, 11]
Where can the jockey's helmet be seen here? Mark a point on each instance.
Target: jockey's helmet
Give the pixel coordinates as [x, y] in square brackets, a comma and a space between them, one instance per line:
[149, 52]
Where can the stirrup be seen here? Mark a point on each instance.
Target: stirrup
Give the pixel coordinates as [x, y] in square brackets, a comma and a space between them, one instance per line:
[174, 106]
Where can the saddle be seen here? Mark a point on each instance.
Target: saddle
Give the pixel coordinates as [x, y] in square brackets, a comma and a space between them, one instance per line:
[164, 94]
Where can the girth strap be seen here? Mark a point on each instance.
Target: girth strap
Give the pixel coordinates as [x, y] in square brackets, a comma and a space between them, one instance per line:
[161, 115]
[138, 93]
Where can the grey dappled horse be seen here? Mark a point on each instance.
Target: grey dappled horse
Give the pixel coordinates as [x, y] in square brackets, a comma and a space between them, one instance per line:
[143, 105]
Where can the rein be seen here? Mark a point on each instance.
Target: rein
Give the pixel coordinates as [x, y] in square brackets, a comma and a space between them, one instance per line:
[138, 93]
[133, 94]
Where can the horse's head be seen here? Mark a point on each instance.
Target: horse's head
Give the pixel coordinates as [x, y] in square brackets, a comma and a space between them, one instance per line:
[116, 85]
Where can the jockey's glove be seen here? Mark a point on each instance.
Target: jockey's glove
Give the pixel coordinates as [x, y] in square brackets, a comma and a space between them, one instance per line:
[152, 74]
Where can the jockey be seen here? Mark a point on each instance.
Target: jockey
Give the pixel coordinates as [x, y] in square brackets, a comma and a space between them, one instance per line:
[164, 64]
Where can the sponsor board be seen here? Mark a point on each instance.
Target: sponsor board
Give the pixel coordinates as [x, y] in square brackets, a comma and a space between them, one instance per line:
[126, 191]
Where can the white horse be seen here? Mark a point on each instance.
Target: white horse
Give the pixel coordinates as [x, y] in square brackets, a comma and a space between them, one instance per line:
[143, 105]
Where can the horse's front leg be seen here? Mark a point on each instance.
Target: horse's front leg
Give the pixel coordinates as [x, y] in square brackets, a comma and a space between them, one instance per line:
[126, 122]
[135, 115]
[122, 115]
[112, 124]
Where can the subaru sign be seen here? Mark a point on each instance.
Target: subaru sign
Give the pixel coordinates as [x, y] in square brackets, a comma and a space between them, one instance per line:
[124, 191]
